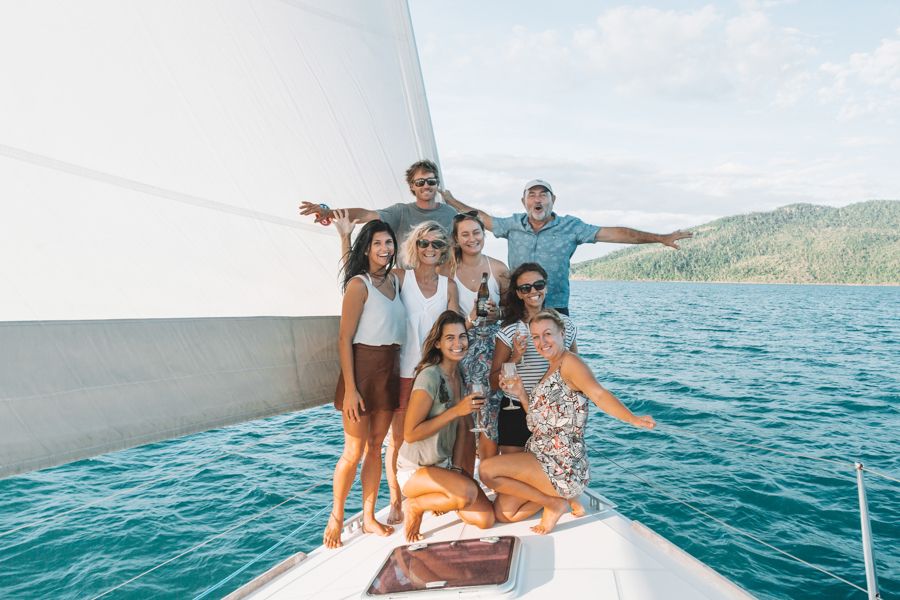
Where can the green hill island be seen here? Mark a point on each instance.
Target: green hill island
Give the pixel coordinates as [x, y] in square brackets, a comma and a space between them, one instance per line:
[800, 243]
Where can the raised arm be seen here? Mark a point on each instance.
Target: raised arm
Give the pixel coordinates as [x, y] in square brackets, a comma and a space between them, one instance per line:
[579, 377]
[448, 197]
[626, 235]
[344, 226]
[358, 215]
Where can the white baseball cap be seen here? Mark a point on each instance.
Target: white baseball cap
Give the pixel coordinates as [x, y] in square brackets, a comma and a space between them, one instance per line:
[538, 182]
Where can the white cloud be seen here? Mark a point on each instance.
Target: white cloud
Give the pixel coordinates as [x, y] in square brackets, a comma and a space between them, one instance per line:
[697, 53]
[866, 83]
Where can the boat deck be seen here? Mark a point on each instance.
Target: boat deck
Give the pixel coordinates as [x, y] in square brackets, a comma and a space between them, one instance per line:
[600, 555]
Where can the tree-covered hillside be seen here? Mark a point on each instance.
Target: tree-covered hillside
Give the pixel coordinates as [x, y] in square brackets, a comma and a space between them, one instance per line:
[800, 243]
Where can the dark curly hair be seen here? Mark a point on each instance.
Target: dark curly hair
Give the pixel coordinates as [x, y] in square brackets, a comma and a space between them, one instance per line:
[357, 259]
[514, 308]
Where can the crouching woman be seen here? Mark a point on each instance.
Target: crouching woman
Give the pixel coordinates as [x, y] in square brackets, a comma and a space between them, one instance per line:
[433, 434]
[553, 471]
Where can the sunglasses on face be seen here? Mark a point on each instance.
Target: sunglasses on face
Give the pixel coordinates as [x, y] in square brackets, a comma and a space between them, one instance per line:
[537, 285]
[465, 215]
[423, 182]
[436, 244]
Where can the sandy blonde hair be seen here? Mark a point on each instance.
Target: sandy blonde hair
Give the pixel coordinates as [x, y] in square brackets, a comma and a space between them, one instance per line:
[409, 254]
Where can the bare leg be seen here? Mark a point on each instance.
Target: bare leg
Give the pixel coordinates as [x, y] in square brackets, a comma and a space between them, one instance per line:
[344, 473]
[510, 509]
[486, 447]
[371, 471]
[437, 489]
[510, 449]
[390, 458]
[521, 475]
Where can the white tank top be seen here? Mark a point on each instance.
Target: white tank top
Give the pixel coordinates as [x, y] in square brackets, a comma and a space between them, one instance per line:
[467, 297]
[383, 321]
[421, 313]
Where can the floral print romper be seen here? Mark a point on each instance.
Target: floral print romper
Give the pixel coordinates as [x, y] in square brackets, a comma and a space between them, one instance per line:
[557, 416]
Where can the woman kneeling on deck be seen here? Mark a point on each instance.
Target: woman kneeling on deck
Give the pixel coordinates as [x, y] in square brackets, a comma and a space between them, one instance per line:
[553, 471]
[433, 434]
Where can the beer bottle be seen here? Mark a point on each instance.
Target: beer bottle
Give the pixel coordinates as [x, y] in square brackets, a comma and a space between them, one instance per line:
[481, 308]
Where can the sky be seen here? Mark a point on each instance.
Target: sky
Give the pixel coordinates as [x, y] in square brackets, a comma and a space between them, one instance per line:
[663, 115]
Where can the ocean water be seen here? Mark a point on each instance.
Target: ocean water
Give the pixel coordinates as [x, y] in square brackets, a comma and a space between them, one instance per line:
[804, 370]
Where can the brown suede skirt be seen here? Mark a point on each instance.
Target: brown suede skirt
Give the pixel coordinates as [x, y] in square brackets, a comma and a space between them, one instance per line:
[377, 373]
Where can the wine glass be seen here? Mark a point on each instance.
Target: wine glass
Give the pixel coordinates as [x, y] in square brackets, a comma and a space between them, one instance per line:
[508, 373]
[477, 388]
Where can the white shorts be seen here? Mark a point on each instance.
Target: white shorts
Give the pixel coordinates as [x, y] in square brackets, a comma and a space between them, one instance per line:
[404, 474]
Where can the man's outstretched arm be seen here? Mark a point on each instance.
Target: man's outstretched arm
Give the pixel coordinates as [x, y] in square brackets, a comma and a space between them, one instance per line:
[626, 235]
[359, 215]
[487, 219]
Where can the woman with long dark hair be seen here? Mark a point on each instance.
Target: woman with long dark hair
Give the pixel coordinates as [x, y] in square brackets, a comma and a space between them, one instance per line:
[428, 462]
[524, 299]
[373, 325]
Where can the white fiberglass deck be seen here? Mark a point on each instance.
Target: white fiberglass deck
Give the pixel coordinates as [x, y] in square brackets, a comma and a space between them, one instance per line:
[600, 555]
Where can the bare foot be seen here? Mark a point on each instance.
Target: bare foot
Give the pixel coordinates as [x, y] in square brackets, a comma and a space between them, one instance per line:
[332, 536]
[370, 525]
[396, 514]
[576, 507]
[413, 521]
[551, 515]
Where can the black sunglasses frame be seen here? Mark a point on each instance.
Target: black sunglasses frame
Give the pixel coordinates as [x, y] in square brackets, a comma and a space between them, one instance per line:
[421, 181]
[539, 285]
[465, 215]
[436, 244]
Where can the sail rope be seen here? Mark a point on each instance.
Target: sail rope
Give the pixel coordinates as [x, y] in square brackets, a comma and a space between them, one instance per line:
[211, 539]
[726, 525]
[851, 466]
[262, 555]
[194, 469]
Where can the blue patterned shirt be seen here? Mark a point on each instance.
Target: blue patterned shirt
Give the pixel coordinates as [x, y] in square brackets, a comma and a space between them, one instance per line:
[551, 247]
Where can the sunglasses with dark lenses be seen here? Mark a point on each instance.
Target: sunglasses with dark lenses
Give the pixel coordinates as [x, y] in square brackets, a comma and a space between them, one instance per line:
[465, 215]
[537, 285]
[422, 182]
[436, 244]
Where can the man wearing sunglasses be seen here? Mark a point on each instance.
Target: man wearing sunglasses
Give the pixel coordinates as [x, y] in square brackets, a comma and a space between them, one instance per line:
[403, 216]
[540, 235]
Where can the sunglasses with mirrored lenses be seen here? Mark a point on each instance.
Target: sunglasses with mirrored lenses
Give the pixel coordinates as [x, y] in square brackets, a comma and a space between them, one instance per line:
[537, 285]
[422, 182]
[436, 244]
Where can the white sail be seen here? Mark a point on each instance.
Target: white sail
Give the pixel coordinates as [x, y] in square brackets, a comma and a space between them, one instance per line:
[156, 278]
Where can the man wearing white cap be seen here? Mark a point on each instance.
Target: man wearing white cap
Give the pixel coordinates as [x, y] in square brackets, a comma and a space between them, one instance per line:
[540, 235]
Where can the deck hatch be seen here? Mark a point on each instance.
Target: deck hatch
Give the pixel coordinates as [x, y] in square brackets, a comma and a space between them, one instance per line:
[422, 570]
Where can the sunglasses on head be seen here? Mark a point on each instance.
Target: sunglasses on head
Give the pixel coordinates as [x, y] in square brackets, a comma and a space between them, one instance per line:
[537, 285]
[465, 215]
[436, 244]
[422, 181]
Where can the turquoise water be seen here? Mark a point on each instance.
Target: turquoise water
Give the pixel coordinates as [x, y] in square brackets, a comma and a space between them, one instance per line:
[802, 369]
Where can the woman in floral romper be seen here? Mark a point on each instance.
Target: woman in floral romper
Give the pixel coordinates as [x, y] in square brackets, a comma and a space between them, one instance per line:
[553, 471]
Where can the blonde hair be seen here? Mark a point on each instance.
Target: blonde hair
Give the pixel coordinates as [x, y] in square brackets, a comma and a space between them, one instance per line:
[409, 255]
[548, 314]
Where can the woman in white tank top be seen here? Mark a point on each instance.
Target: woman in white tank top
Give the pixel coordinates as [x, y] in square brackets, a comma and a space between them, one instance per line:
[373, 325]
[426, 294]
[471, 263]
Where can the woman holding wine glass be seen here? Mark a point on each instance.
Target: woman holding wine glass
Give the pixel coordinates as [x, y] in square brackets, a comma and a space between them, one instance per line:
[554, 470]
[428, 462]
[481, 281]
[524, 299]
